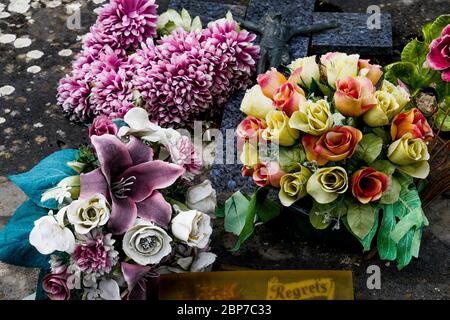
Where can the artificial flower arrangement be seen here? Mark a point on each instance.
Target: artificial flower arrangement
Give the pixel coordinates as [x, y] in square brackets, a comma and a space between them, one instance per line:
[186, 74]
[425, 69]
[104, 221]
[339, 143]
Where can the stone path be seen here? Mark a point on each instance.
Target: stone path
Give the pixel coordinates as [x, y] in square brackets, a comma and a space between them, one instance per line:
[31, 127]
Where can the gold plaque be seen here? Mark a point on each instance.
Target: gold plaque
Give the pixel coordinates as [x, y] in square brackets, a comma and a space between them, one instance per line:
[258, 285]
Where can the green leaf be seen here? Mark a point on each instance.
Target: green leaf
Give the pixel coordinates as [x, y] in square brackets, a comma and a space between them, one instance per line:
[442, 121]
[46, 175]
[290, 158]
[15, 246]
[415, 246]
[385, 166]
[415, 52]
[249, 224]
[267, 210]
[404, 254]
[407, 72]
[236, 208]
[361, 219]
[387, 248]
[317, 215]
[325, 88]
[367, 240]
[383, 134]
[392, 194]
[443, 93]
[220, 211]
[369, 148]
[434, 30]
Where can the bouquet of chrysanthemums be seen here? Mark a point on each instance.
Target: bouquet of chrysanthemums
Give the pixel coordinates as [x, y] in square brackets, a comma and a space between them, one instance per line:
[104, 221]
[186, 75]
[337, 136]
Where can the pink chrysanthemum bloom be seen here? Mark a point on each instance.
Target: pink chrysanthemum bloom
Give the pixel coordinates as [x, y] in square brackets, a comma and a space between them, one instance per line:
[96, 41]
[96, 253]
[112, 92]
[179, 42]
[129, 22]
[73, 97]
[176, 89]
[233, 54]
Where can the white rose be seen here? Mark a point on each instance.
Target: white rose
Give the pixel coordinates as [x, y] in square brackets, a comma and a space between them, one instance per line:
[400, 94]
[87, 214]
[339, 65]
[309, 70]
[192, 227]
[202, 197]
[201, 262]
[255, 103]
[49, 234]
[146, 243]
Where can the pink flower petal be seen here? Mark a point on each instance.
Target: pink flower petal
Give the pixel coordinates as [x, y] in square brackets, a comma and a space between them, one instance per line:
[123, 215]
[92, 183]
[156, 209]
[435, 58]
[139, 151]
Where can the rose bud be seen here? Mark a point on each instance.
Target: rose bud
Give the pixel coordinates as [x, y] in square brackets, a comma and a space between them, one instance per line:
[255, 103]
[368, 184]
[268, 174]
[400, 92]
[326, 184]
[386, 108]
[354, 96]
[312, 117]
[413, 122]
[371, 71]
[250, 130]
[293, 186]
[308, 70]
[102, 125]
[55, 286]
[288, 97]
[335, 145]
[271, 81]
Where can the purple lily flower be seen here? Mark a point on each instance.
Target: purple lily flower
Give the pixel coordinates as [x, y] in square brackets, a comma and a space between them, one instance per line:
[130, 177]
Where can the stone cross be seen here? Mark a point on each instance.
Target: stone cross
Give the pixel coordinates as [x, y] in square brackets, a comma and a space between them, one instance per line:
[352, 36]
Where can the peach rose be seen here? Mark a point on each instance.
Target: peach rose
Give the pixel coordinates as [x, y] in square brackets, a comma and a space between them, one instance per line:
[368, 184]
[371, 71]
[288, 97]
[413, 122]
[335, 145]
[354, 96]
[271, 81]
[268, 174]
[250, 130]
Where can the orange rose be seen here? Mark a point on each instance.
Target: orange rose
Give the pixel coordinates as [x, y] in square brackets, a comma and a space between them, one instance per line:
[369, 184]
[250, 130]
[354, 96]
[288, 97]
[247, 171]
[371, 71]
[413, 122]
[268, 174]
[285, 92]
[334, 145]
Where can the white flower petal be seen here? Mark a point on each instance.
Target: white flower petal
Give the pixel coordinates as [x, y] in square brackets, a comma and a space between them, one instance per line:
[202, 261]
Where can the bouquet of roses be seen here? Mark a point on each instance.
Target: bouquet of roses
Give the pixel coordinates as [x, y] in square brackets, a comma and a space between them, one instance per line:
[337, 133]
[187, 74]
[104, 221]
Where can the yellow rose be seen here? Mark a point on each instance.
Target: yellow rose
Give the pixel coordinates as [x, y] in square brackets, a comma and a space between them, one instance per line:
[308, 70]
[312, 117]
[278, 129]
[339, 65]
[293, 186]
[385, 110]
[255, 103]
[411, 155]
[400, 94]
[249, 155]
[326, 184]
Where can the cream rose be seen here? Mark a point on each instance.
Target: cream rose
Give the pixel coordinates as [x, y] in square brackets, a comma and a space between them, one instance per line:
[326, 184]
[255, 103]
[400, 94]
[146, 243]
[202, 197]
[339, 65]
[384, 111]
[411, 155]
[309, 70]
[192, 227]
[278, 129]
[312, 117]
[87, 214]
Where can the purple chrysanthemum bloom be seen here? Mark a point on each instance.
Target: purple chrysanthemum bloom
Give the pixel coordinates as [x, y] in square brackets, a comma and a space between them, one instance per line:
[177, 89]
[96, 40]
[96, 253]
[112, 92]
[129, 22]
[73, 97]
[233, 55]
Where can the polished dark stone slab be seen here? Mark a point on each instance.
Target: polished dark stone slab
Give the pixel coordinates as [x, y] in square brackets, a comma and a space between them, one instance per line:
[353, 35]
